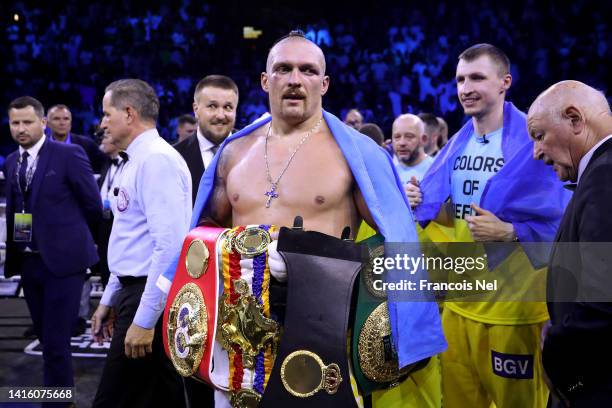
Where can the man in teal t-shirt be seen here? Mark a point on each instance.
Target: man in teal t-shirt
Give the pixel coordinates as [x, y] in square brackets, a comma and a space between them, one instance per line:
[480, 159]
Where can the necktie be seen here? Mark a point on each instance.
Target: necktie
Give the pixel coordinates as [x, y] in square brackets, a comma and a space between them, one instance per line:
[214, 149]
[23, 171]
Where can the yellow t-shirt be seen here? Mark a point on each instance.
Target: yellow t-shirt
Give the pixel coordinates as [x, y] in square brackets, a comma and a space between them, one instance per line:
[516, 278]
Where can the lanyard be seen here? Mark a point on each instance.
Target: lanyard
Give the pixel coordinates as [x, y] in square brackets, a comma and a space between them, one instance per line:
[29, 176]
[108, 179]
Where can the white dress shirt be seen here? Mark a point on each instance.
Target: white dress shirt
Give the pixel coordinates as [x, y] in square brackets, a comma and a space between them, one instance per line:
[32, 162]
[110, 179]
[206, 149]
[152, 212]
[587, 157]
[32, 152]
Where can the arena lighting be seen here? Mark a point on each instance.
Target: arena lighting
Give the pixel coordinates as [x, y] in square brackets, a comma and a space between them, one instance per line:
[249, 33]
[16, 17]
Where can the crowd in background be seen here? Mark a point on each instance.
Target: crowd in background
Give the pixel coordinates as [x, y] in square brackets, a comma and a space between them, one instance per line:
[405, 64]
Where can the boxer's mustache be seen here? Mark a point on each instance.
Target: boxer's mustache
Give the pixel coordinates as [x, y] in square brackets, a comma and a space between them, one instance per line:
[294, 95]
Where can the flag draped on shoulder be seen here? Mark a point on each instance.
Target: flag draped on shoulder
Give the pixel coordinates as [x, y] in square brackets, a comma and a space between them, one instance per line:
[416, 328]
[525, 192]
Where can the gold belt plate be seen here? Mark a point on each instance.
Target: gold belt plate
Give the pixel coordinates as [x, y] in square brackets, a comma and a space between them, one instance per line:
[187, 329]
[252, 241]
[196, 261]
[377, 361]
[303, 374]
[245, 398]
[245, 325]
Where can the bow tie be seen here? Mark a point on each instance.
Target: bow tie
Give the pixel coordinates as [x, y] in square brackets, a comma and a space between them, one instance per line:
[115, 162]
[124, 156]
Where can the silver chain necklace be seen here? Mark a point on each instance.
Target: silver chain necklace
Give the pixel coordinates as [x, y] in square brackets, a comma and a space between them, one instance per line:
[272, 193]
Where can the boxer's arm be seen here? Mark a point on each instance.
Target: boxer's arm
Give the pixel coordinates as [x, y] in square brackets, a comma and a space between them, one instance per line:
[362, 208]
[218, 211]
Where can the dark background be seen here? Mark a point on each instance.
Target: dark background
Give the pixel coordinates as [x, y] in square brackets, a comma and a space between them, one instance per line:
[377, 53]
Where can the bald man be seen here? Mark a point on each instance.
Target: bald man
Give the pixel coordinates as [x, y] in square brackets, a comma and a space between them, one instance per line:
[408, 136]
[571, 126]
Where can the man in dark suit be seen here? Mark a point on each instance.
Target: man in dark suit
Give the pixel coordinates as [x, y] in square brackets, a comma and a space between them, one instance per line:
[59, 121]
[52, 201]
[571, 126]
[60, 126]
[215, 103]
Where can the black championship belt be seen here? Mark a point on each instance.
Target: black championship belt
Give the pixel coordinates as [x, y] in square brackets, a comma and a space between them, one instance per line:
[312, 368]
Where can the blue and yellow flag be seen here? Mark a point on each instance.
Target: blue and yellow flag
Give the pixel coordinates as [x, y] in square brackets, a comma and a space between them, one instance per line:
[525, 192]
[381, 188]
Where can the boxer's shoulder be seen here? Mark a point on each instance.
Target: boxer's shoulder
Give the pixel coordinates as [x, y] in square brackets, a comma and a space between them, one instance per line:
[239, 147]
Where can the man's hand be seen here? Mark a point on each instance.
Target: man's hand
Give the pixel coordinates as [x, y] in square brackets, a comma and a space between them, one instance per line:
[102, 323]
[485, 226]
[278, 269]
[138, 341]
[413, 192]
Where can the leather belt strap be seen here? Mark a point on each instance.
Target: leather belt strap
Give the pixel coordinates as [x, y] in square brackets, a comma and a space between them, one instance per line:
[190, 315]
[322, 272]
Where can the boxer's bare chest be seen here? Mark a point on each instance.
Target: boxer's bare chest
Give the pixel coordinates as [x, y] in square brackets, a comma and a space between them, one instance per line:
[316, 184]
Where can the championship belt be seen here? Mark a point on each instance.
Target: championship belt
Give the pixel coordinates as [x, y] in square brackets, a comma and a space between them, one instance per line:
[246, 333]
[217, 317]
[374, 358]
[312, 368]
[190, 315]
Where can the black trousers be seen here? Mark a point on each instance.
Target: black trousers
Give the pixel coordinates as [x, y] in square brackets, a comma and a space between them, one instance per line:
[54, 305]
[593, 398]
[146, 382]
[199, 394]
[101, 268]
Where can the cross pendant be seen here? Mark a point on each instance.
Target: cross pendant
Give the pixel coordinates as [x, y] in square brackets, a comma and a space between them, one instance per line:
[271, 194]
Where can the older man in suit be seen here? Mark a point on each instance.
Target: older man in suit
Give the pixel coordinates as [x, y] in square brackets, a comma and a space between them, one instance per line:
[215, 102]
[571, 126]
[52, 200]
[60, 125]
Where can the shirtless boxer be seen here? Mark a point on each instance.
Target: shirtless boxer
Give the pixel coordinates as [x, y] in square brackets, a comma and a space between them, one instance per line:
[306, 162]
[296, 81]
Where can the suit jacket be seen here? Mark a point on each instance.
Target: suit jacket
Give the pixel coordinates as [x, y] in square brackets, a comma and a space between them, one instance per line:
[190, 150]
[96, 157]
[65, 204]
[104, 230]
[103, 171]
[577, 354]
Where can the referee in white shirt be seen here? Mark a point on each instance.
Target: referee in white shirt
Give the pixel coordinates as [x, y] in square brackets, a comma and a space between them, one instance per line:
[152, 209]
